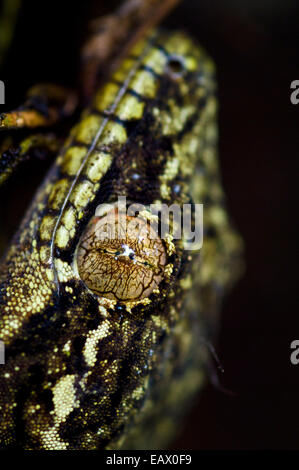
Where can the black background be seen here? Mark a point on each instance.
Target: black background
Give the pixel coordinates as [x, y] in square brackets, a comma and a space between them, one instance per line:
[255, 46]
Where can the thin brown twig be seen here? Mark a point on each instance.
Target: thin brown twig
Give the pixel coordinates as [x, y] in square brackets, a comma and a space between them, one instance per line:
[114, 34]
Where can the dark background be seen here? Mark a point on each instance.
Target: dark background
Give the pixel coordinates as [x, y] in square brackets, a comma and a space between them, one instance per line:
[255, 45]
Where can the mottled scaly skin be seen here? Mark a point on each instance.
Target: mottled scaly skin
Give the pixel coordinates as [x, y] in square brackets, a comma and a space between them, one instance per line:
[84, 372]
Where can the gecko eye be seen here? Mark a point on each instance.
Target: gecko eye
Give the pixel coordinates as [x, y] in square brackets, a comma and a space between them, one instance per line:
[121, 257]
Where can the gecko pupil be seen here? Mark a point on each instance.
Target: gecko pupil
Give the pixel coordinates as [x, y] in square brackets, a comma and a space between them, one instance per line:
[120, 257]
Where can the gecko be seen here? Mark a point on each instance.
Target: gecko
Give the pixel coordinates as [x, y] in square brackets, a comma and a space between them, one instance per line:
[103, 339]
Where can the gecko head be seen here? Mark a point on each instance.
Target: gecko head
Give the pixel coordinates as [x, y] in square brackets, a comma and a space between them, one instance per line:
[97, 325]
